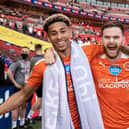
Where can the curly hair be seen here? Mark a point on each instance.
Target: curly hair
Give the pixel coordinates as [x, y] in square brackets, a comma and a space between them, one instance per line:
[56, 18]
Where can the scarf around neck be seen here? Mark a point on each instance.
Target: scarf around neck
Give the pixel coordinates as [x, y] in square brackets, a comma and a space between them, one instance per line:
[56, 112]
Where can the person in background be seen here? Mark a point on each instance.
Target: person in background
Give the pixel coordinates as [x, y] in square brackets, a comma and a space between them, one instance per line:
[2, 67]
[88, 41]
[5, 62]
[38, 102]
[18, 74]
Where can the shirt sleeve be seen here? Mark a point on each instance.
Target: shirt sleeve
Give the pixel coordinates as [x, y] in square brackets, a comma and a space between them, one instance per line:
[36, 75]
[92, 50]
[14, 66]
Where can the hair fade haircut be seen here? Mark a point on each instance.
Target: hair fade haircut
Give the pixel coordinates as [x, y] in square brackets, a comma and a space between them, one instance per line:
[110, 24]
[38, 46]
[56, 18]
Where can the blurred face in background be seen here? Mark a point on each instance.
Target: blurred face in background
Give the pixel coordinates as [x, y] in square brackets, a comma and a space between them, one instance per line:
[112, 40]
[25, 53]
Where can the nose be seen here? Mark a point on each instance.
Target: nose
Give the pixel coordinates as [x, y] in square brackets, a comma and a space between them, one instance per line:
[59, 36]
[111, 40]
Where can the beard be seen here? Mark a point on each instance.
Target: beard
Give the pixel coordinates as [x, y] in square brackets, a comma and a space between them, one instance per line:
[117, 49]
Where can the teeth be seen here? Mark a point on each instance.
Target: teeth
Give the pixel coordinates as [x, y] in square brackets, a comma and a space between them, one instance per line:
[60, 42]
[111, 47]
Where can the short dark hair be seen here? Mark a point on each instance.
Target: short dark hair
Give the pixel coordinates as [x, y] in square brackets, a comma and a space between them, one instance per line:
[25, 47]
[38, 47]
[56, 18]
[112, 24]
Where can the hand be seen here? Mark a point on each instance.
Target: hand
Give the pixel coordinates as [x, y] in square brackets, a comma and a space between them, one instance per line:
[125, 49]
[49, 56]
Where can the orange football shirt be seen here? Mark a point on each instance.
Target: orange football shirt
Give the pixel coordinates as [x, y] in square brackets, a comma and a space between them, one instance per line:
[36, 77]
[112, 86]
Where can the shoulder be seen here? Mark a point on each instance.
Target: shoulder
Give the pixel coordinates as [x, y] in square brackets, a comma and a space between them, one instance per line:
[40, 62]
[39, 67]
[99, 58]
[124, 56]
[18, 63]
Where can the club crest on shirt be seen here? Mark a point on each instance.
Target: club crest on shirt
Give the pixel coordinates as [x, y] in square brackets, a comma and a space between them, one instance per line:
[126, 66]
[115, 70]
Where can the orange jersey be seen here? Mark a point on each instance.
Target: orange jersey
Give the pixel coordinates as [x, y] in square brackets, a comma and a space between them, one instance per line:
[71, 96]
[39, 68]
[112, 86]
[92, 50]
[36, 75]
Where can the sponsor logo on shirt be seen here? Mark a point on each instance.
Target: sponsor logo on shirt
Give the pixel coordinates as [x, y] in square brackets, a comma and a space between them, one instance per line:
[126, 66]
[115, 70]
[118, 84]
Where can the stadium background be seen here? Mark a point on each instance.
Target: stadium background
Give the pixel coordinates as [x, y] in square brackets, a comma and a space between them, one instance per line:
[21, 25]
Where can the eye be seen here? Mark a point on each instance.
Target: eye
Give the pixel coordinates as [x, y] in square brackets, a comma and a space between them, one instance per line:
[106, 37]
[53, 33]
[116, 37]
[63, 31]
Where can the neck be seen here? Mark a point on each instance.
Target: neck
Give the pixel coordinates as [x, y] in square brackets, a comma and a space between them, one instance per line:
[25, 59]
[64, 53]
[114, 59]
[38, 53]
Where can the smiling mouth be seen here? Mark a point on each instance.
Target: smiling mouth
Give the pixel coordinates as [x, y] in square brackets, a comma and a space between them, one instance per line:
[61, 42]
[112, 47]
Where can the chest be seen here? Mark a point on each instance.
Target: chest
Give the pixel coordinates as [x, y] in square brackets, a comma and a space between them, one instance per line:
[111, 79]
[111, 71]
[24, 67]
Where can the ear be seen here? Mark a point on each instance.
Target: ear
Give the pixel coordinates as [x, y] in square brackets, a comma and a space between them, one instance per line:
[71, 34]
[101, 40]
[48, 38]
[123, 40]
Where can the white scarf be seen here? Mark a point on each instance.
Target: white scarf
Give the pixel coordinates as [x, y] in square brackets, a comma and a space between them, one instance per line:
[56, 112]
